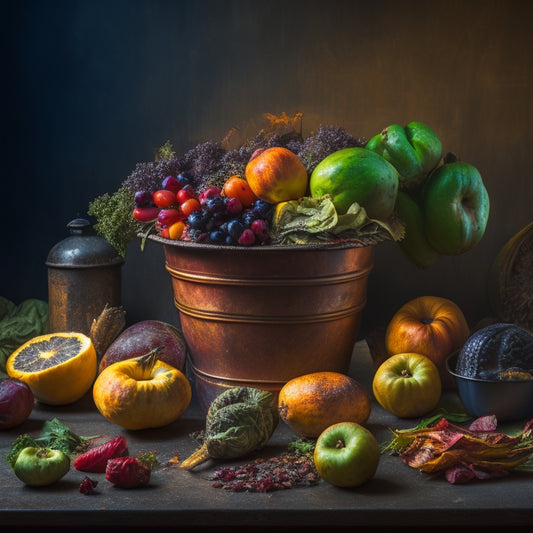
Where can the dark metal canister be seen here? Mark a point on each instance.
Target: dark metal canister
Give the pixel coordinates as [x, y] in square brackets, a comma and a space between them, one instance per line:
[84, 274]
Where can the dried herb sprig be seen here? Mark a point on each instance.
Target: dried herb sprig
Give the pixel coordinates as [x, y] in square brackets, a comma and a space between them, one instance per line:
[114, 220]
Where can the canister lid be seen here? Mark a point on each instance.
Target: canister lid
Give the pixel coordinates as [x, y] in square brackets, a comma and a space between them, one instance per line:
[82, 249]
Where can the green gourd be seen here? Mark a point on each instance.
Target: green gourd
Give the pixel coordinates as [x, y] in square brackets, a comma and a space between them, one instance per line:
[239, 421]
[498, 351]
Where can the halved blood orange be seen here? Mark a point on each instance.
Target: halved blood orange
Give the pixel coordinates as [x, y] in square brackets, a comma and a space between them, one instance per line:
[58, 367]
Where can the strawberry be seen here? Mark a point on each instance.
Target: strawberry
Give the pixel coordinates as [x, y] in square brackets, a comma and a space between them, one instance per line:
[127, 472]
[95, 459]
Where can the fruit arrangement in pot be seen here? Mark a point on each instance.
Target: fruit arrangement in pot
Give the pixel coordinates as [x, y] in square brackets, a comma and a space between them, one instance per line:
[398, 182]
[276, 192]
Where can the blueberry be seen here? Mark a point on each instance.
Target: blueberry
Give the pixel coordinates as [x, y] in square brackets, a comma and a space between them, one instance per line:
[248, 217]
[262, 209]
[196, 220]
[217, 237]
[183, 179]
[235, 229]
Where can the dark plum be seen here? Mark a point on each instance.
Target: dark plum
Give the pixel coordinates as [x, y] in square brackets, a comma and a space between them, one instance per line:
[144, 199]
[170, 183]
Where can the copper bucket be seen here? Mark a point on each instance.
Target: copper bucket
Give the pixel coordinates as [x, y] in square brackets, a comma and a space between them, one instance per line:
[260, 316]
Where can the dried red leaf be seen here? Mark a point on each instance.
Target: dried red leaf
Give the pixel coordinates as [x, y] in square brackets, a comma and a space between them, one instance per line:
[478, 452]
[484, 424]
[95, 459]
[127, 472]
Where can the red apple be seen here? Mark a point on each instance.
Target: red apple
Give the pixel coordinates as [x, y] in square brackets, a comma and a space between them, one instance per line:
[16, 402]
[144, 336]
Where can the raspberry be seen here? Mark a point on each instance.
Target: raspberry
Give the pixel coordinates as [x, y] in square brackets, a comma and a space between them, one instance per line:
[127, 472]
[247, 237]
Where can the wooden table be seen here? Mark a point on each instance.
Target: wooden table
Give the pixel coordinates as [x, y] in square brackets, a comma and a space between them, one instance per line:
[397, 495]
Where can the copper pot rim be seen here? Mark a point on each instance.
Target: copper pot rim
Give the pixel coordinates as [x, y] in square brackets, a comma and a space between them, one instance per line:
[332, 245]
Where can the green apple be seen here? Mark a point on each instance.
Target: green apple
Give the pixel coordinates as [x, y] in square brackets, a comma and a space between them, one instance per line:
[41, 466]
[415, 244]
[414, 150]
[356, 175]
[346, 454]
[456, 208]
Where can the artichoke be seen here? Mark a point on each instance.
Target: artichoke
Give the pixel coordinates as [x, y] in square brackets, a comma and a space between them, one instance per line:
[239, 421]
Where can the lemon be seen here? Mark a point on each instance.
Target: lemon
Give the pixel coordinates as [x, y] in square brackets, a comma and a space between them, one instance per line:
[59, 368]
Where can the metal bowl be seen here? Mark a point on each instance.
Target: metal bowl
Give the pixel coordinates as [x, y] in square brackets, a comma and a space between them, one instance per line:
[508, 400]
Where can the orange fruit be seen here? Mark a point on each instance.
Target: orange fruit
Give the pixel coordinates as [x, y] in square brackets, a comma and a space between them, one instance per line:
[59, 368]
[310, 403]
[431, 326]
[237, 187]
[276, 175]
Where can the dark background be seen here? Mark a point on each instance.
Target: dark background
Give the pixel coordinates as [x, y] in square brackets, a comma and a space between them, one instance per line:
[92, 87]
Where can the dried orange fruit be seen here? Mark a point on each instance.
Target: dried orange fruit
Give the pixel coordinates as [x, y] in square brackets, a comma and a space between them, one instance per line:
[59, 368]
[310, 403]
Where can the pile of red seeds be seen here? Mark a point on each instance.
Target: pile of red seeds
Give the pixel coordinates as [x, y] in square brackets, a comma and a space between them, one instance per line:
[286, 471]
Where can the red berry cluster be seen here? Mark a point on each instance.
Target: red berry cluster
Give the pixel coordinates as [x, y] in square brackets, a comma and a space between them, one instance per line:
[211, 216]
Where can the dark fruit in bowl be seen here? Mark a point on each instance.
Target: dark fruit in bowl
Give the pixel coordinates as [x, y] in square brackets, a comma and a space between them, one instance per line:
[495, 349]
[143, 337]
[16, 402]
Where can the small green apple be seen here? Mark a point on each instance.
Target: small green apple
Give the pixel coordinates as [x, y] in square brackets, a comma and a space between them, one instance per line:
[41, 466]
[456, 208]
[346, 454]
